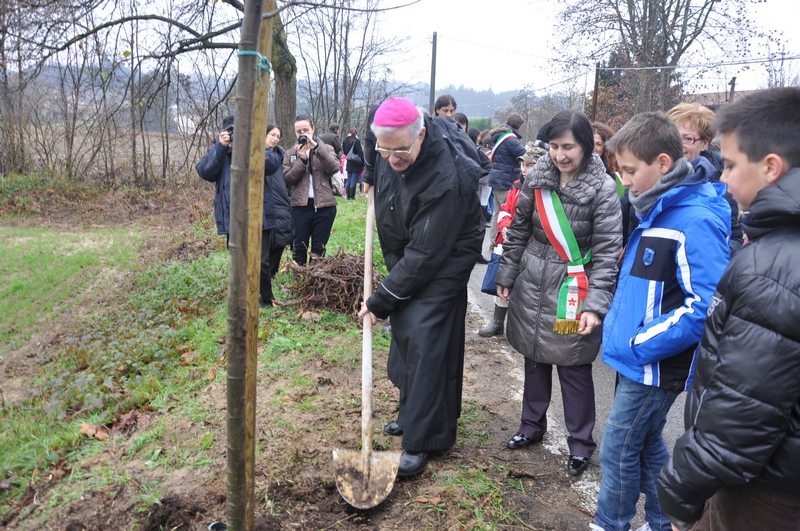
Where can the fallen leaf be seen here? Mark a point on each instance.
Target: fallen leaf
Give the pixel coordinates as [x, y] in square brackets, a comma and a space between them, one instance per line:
[5, 484]
[212, 374]
[98, 432]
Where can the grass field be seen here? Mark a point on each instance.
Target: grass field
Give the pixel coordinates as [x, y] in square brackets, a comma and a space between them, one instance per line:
[47, 271]
[146, 344]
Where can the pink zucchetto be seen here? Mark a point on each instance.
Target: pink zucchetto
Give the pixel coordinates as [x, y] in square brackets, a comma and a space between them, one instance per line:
[396, 112]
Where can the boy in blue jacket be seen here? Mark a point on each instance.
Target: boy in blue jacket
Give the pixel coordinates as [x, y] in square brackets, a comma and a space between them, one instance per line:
[671, 266]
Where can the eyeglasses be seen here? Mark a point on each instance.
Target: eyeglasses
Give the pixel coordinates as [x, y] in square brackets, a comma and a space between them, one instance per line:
[389, 152]
[690, 140]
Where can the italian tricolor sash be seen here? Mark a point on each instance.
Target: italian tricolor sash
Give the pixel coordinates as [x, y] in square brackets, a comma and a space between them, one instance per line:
[574, 288]
[500, 140]
[620, 186]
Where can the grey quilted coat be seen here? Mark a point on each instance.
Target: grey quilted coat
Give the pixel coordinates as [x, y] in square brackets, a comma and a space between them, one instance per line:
[531, 266]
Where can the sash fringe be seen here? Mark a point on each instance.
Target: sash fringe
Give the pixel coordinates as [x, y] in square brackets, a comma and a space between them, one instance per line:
[566, 326]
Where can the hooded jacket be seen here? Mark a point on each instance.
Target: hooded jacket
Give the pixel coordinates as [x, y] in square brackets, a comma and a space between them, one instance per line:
[505, 166]
[743, 408]
[429, 219]
[673, 261]
[215, 167]
[531, 265]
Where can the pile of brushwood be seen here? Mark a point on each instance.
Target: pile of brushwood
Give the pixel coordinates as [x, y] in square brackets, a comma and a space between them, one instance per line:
[334, 283]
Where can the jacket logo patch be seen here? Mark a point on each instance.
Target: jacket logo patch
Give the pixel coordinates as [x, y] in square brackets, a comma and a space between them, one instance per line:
[713, 305]
[648, 256]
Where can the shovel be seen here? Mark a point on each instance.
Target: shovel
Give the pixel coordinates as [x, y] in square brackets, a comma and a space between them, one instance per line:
[366, 478]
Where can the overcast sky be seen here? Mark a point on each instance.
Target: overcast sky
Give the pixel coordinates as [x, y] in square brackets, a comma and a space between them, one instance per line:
[506, 44]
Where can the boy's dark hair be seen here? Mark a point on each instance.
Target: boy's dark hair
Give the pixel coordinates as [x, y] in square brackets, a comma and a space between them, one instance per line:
[515, 120]
[767, 121]
[581, 128]
[461, 118]
[473, 133]
[333, 128]
[648, 135]
[443, 101]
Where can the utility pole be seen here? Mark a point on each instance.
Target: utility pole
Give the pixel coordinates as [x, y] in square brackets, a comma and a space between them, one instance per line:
[596, 88]
[733, 87]
[433, 74]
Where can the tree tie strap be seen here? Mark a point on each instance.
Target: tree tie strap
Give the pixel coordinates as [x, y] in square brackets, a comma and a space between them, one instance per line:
[262, 65]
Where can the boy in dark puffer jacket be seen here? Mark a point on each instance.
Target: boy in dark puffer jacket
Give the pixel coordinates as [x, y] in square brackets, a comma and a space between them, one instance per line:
[738, 464]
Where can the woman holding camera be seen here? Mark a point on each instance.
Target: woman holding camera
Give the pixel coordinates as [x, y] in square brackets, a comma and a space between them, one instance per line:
[307, 169]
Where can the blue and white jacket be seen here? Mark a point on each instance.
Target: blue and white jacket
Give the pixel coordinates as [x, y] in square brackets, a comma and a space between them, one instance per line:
[672, 264]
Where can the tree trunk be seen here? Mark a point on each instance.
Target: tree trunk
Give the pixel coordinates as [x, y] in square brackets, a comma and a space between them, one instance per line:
[284, 68]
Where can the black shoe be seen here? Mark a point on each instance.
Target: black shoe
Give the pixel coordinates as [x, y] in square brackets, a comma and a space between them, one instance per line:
[577, 464]
[412, 463]
[483, 260]
[521, 441]
[394, 429]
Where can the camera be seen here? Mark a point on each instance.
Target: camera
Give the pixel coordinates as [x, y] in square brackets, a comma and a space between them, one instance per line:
[230, 133]
[302, 140]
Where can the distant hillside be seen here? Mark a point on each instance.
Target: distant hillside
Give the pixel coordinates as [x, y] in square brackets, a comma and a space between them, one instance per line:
[473, 103]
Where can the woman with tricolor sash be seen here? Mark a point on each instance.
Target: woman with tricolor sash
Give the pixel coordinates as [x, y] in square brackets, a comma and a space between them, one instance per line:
[558, 272]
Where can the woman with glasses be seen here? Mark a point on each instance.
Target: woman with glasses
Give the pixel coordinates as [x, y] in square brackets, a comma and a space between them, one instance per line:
[281, 235]
[694, 124]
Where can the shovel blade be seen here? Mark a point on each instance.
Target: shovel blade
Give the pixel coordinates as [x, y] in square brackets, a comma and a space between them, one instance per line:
[364, 481]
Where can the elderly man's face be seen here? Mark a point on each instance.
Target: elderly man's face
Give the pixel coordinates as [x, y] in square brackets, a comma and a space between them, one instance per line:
[400, 148]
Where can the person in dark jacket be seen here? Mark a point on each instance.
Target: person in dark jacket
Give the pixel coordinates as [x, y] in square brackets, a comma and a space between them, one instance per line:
[445, 105]
[282, 233]
[694, 124]
[673, 262]
[307, 168]
[738, 464]
[332, 139]
[505, 167]
[215, 167]
[355, 165]
[430, 230]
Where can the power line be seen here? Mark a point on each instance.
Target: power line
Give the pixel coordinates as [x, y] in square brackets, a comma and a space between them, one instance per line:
[709, 65]
[517, 52]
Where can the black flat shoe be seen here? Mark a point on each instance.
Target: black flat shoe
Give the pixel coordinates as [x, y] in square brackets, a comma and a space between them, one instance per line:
[483, 260]
[394, 429]
[412, 463]
[521, 441]
[577, 464]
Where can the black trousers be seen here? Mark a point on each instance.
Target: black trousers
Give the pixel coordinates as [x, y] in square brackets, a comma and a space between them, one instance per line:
[426, 362]
[314, 224]
[265, 275]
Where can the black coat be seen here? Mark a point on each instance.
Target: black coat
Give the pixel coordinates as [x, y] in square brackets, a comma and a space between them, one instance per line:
[743, 409]
[333, 140]
[505, 166]
[353, 167]
[737, 238]
[215, 167]
[282, 235]
[429, 218]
